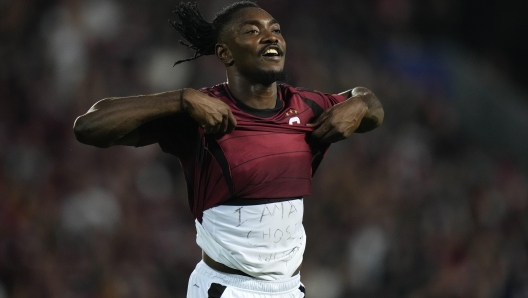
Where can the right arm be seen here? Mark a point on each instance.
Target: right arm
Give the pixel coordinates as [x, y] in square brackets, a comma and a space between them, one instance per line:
[116, 121]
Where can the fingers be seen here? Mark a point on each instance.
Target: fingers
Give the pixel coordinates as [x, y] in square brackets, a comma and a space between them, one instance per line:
[317, 122]
[211, 126]
[331, 136]
[329, 132]
[214, 115]
[231, 122]
[212, 129]
[226, 125]
[322, 130]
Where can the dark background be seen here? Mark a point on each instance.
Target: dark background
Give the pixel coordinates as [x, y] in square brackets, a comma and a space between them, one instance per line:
[432, 204]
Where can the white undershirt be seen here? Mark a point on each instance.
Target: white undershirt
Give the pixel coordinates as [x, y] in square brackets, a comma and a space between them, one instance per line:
[265, 241]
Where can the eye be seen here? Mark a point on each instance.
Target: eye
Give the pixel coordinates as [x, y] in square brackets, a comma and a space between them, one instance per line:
[277, 31]
[252, 31]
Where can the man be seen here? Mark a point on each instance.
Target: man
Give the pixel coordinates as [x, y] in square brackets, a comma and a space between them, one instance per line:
[248, 148]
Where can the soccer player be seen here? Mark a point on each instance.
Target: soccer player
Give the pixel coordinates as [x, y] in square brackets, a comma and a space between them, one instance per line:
[248, 148]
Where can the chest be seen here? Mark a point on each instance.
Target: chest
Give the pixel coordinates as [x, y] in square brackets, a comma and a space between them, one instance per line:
[259, 149]
[260, 153]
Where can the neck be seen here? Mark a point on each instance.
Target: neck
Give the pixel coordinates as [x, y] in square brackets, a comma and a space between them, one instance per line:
[252, 94]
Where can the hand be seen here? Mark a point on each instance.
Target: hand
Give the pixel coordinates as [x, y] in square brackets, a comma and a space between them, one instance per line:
[211, 113]
[340, 121]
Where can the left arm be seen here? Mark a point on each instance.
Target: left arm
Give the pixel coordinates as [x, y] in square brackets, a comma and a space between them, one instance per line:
[361, 112]
[375, 113]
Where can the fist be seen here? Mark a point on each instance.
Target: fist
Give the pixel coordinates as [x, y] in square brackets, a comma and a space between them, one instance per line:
[211, 113]
[340, 121]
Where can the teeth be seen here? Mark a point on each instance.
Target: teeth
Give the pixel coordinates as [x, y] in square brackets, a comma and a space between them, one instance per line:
[271, 51]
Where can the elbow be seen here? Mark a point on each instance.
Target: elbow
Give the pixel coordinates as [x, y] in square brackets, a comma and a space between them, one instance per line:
[372, 122]
[380, 116]
[375, 115]
[376, 111]
[84, 133]
[80, 129]
[361, 91]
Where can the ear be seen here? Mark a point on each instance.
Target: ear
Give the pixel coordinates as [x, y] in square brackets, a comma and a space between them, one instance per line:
[224, 54]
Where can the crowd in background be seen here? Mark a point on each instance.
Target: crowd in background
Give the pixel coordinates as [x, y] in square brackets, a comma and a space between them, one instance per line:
[417, 208]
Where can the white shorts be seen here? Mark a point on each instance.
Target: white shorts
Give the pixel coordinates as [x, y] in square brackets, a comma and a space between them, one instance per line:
[209, 283]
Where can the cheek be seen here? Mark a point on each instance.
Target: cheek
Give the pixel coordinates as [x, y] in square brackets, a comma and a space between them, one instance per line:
[245, 47]
[283, 44]
[244, 54]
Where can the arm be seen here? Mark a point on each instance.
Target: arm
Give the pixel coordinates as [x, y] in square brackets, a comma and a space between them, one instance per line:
[116, 121]
[375, 113]
[361, 112]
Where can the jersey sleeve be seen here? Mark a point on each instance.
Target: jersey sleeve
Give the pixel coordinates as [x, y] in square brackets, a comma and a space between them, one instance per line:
[323, 100]
[174, 134]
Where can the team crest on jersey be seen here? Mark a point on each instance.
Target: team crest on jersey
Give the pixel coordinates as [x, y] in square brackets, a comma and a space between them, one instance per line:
[291, 112]
[294, 120]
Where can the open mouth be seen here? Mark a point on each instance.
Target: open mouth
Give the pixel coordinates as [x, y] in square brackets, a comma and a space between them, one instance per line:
[272, 52]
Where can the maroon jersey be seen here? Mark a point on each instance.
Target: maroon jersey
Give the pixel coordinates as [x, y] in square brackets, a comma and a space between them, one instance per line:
[269, 154]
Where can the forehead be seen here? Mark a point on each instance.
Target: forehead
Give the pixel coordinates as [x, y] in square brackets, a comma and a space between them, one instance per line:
[250, 14]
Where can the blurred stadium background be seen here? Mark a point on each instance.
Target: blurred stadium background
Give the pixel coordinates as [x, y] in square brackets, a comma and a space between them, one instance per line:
[433, 204]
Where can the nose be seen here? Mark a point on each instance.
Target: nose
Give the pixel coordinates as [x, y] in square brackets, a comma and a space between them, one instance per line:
[269, 37]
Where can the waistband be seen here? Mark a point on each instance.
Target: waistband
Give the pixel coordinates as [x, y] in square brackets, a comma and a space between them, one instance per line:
[236, 201]
[248, 283]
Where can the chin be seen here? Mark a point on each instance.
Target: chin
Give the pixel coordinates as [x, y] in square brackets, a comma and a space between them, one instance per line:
[269, 76]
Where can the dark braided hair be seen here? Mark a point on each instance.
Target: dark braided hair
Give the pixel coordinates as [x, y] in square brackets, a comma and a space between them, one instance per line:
[202, 35]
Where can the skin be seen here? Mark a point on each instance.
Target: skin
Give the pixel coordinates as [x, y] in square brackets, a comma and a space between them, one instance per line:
[116, 121]
[251, 32]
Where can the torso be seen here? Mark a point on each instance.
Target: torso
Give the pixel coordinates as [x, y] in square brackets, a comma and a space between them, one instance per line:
[268, 156]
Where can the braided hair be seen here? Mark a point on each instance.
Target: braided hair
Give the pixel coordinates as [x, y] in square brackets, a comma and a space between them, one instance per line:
[202, 35]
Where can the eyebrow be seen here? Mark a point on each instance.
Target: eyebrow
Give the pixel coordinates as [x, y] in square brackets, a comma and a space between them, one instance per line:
[256, 23]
